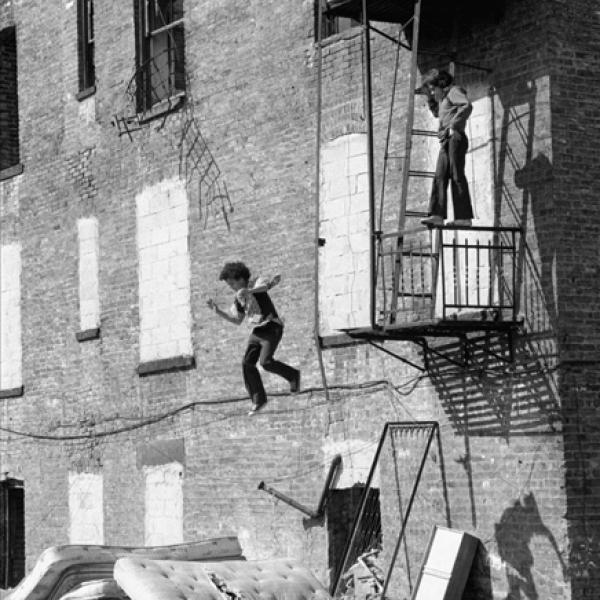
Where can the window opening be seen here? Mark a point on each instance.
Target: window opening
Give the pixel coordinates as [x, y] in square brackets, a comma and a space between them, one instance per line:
[342, 506]
[332, 24]
[85, 30]
[161, 70]
[12, 533]
[9, 109]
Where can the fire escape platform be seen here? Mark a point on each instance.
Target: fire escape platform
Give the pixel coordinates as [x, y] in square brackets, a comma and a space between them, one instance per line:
[434, 13]
[480, 322]
[389, 11]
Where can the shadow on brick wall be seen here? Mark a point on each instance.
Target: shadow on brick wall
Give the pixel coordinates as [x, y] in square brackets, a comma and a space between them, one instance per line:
[518, 524]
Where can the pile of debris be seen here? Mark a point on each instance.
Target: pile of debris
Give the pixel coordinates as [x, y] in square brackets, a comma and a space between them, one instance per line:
[364, 579]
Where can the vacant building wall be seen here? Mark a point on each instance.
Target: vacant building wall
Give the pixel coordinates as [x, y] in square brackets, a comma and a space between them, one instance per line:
[242, 153]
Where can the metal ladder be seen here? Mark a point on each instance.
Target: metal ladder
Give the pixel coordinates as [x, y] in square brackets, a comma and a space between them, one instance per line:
[407, 173]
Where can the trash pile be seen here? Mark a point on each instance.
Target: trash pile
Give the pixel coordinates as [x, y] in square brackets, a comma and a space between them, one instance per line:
[364, 579]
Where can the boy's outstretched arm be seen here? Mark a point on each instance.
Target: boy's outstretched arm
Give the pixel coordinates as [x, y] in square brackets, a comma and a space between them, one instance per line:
[223, 314]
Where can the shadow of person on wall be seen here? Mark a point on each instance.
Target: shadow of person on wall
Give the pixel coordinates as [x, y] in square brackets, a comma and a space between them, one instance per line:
[518, 524]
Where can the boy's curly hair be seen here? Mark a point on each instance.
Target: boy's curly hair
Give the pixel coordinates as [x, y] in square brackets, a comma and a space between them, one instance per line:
[438, 77]
[234, 270]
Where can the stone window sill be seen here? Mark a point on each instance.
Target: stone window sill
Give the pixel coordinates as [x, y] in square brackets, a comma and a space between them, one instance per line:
[161, 108]
[165, 365]
[83, 94]
[88, 334]
[16, 392]
[10, 172]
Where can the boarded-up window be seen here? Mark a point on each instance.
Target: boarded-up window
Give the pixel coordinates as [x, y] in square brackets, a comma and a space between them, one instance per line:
[344, 259]
[163, 515]
[89, 302]
[10, 317]
[86, 508]
[164, 271]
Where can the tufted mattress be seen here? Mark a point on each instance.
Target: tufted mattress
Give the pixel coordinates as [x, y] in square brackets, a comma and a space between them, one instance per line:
[60, 569]
[281, 579]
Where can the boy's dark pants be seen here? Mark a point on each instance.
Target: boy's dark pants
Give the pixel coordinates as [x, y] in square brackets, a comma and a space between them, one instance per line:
[451, 167]
[262, 343]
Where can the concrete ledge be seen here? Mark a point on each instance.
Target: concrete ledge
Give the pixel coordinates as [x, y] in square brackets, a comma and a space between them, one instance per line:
[11, 171]
[12, 392]
[83, 94]
[88, 334]
[340, 340]
[174, 363]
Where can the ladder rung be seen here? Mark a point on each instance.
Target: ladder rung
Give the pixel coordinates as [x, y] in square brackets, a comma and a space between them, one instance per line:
[406, 253]
[415, 295]
[430, 174]
[399, 234]
[425, 132]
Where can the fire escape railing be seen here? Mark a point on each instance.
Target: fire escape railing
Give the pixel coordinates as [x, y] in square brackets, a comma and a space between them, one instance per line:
[449, 272]
[157, 81]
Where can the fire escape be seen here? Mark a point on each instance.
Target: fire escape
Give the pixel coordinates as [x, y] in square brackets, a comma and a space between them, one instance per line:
[425, 282]
[160, 86]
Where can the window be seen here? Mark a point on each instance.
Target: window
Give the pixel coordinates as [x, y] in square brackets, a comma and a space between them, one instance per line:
[330, 24]
[11, 379]
[160, 51]
[9, 111]
[164, 277]
[86, 508]
[12, 532]
[85, 32]
[342, 506]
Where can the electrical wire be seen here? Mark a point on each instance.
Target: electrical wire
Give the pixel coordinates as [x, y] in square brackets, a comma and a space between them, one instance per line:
[404, 389]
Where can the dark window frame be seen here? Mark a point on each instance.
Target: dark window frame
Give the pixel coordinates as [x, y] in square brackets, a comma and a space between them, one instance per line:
[12, 530]
[330, 24]
[86, 43]
[10, 150]
[160, 52]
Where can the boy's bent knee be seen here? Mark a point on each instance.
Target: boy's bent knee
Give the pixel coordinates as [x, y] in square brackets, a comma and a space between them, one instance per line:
[265, 363]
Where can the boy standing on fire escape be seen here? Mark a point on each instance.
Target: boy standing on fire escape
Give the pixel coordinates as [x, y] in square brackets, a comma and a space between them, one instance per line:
[449, 103]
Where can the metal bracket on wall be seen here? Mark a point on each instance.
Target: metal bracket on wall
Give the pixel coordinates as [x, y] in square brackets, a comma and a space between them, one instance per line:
[329, 481]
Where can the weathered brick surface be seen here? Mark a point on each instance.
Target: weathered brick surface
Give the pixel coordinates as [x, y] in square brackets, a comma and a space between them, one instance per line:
[519, 458]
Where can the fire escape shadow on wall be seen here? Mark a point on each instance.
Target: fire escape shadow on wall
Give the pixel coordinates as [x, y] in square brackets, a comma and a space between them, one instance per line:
[153, 94]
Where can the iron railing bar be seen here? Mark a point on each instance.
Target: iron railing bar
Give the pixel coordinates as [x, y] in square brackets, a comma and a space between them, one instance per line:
[408, 509]
[467, 271]
[361, 509]
[166, 27]
[477, 274]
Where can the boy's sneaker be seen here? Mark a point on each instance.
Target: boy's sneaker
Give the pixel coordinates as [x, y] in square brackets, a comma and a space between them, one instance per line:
[295, 383]
[256, 407]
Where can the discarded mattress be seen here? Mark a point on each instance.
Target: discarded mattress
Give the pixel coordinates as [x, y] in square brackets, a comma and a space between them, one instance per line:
[61, 569]
[281, 579]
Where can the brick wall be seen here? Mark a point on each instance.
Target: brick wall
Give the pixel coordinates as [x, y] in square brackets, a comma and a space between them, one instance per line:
[518, 467]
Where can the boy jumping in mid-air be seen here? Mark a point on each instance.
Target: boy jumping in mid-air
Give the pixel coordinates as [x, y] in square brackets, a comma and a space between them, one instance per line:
[253, 303]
